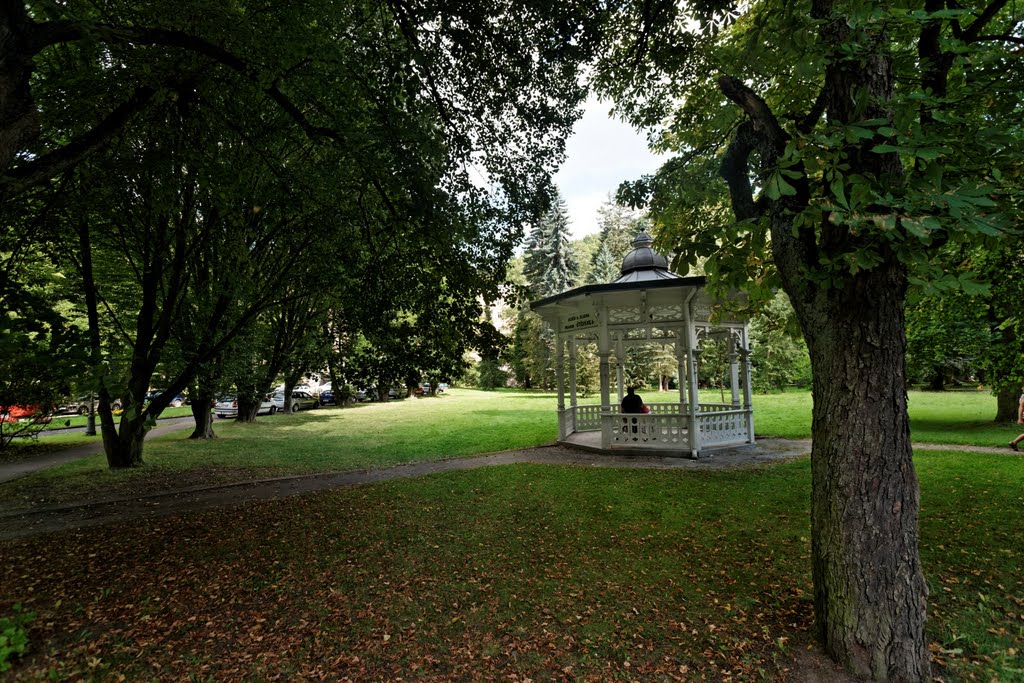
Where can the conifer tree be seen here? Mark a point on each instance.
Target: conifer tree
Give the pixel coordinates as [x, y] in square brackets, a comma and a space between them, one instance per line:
[550, 266]
[604, 268]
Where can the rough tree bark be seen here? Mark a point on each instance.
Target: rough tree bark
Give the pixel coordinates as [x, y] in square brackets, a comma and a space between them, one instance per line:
[201, 402]
[19, 120]
[869, 590]
[1006, 405]
[248, 408]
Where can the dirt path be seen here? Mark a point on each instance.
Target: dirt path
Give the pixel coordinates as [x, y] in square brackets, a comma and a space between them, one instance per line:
[21, 523]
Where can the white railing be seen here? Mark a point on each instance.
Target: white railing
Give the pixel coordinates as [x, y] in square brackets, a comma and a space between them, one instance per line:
[588, 418]
[665, 427]
[667, 408]
[722, 426]
[645, 430]
[717, 407]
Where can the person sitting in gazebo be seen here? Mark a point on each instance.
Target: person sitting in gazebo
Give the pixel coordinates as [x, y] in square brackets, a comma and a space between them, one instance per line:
[631, 402]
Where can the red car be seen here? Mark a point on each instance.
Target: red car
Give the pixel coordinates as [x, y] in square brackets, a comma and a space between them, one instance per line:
[24, 413]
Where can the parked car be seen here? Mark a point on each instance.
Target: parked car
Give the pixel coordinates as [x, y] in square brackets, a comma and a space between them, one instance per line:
[327, 398]
[361, 395]
[227, 406]
[80, 405]
[441, 387]
[301, 400]
[176, 402]
[392, 394]
[31, 413]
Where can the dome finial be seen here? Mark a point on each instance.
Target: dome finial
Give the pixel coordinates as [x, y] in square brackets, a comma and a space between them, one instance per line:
[643, 263]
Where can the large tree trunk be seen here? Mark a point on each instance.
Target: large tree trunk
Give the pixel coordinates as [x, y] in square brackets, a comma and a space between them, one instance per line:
[1006, 405]
[289, 386]
[19, 120]
[201, 402]
[248, 409]
[124, 449]
[869, 591]
[938, 380]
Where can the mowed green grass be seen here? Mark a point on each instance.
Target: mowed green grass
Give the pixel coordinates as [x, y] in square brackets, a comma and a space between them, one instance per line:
[458, 423]
[507, 573]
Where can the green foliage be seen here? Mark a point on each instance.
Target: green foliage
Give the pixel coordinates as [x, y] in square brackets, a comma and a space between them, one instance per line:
[262, 159]
[491, 374]
[1003, 359]
[42, 343]
[550, 266]
[470, 377]
[779, 355]
[619, 226]
[955, 133]
[14, 635]
[946, 338]
[604, 268]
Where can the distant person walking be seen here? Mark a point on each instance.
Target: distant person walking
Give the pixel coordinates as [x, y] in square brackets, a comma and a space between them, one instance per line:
[1020, 421]
[632, 403]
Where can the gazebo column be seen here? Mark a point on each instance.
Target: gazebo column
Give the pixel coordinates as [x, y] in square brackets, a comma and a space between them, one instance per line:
[683, 383]
[734, 371]
[603, 351]
[572, 361]
[620, 363]
[748, 399]
[693, 426]
[560, 383]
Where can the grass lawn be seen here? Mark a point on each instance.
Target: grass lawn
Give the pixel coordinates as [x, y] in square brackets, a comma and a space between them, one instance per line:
[508, 573]
[458, 423]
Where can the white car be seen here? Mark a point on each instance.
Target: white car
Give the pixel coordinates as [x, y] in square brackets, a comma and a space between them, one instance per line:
[301, 400]
[227, 406]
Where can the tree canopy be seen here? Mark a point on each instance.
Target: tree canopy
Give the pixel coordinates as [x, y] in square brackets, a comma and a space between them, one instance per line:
[833, 148]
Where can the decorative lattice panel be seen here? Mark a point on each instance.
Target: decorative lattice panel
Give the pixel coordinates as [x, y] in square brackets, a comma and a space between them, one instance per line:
[666, 313]
[618, 316]
[588, 418]
[653, 430]
[722, 426]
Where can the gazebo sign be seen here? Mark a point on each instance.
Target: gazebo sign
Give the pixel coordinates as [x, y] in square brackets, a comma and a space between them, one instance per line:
[580, 321]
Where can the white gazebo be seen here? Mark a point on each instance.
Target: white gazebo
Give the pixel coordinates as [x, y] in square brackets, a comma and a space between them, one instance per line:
[648, 304]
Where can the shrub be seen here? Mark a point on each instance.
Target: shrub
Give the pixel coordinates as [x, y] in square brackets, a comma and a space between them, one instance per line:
[14, 635]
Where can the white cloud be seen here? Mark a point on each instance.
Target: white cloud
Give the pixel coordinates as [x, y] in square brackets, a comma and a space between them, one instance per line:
[601, 153]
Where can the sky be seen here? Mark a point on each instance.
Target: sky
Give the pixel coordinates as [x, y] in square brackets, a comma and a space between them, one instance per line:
[600, 154]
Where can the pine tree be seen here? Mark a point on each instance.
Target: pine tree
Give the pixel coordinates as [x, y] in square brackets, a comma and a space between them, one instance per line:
[619, 226]
[604, 268]
[550, 265]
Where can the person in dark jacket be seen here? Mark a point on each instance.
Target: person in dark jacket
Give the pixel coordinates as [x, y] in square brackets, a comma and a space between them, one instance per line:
[631, 402]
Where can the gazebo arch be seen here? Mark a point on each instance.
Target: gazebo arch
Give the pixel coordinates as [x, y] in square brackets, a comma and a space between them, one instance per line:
[648, 304]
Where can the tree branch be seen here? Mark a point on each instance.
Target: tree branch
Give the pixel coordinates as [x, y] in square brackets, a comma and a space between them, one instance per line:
[735, 170]
[1001, 38]
[988, 14]
[57, 161]
[810, 120]
[764, 122]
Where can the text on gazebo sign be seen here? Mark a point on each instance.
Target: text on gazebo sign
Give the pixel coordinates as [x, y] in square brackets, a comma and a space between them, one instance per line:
[580, 321]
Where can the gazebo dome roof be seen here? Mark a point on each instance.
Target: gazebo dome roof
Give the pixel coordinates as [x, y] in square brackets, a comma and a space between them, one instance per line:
[643, 264]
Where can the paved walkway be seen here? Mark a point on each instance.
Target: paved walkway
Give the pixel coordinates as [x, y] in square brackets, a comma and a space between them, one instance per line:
[22, 523]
